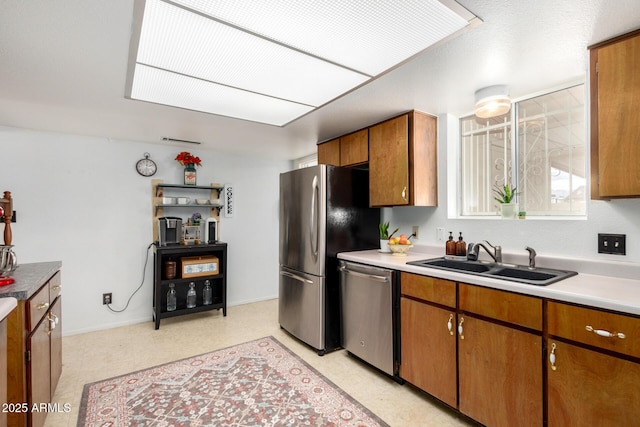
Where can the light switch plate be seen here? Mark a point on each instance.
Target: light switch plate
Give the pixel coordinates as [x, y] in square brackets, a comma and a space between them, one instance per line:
[615, 244]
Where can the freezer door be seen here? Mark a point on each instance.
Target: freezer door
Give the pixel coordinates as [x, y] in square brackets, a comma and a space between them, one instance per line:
[303, 219]
[301, 306]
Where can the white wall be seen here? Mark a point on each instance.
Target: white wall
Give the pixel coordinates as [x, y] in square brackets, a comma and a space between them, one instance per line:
[565, 238]
[78, 199]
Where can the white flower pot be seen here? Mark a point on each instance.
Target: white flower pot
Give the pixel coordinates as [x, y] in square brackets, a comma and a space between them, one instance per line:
[383, 245]
[509, 210]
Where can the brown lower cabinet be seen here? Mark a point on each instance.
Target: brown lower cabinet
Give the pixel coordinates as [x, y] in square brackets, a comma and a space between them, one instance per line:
[499, 374]
[589, 388]
[593, 374]
[34, 359]
[429, 349]
[466, 345]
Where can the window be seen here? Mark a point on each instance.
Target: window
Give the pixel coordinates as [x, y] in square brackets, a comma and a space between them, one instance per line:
[307, 161]
[547, 145]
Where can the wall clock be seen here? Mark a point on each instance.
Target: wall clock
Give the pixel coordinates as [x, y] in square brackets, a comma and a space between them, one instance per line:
[146, 166]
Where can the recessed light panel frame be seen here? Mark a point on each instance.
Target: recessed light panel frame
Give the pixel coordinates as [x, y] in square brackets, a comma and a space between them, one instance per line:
[272, 61]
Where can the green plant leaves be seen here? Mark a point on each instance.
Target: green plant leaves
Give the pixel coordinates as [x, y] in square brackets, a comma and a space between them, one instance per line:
[506, 194]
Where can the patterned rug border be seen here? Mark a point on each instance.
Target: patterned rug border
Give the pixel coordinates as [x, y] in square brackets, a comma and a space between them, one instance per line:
[82, 412]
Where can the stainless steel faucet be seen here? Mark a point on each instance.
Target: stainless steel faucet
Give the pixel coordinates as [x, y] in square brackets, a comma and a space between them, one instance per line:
[532, 257]
[496, 255]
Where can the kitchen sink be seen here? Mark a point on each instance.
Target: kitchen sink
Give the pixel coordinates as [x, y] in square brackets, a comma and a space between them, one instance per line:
[511, 272]
[449, 264]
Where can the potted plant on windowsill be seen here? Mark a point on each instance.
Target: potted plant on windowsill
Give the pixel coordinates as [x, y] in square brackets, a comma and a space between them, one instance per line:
[505, 196]
[385, 236]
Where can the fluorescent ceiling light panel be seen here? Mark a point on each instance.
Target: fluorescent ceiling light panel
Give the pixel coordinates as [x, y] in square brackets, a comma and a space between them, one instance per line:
[163, 87]
[364, 35]
[287, 56]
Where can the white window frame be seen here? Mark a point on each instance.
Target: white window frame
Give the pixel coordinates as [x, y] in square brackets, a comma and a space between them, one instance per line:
[454, 158]
[306, 161]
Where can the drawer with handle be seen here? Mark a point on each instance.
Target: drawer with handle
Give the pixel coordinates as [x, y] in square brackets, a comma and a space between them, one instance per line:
[37, 307]
[55, 287]
[610, 331]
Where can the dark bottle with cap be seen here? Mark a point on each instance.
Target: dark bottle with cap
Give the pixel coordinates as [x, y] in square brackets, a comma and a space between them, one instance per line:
[461, 246]
[450, 246]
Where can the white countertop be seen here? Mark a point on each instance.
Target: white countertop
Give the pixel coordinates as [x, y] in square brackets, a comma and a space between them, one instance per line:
[613, 293]
[6, 306]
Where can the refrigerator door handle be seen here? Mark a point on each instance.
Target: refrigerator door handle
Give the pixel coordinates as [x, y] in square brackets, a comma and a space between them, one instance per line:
[365, 275]
[313, 222]
[296, 277]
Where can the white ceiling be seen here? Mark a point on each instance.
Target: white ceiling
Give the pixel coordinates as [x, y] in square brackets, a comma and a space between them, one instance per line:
[63, 66]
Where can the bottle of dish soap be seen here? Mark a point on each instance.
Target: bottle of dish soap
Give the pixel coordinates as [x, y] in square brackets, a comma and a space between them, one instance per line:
[461, 246]
[450, 246]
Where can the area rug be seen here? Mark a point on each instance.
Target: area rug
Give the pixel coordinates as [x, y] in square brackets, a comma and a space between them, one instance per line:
[258, 383]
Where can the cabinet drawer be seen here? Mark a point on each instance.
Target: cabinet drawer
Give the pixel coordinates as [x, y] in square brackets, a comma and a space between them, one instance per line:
[428, 289]
[37, 307]
[500, 305]
[55, 287]
[572, 322]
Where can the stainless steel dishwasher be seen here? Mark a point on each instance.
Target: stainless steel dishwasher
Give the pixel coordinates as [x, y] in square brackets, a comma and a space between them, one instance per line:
[369, 309]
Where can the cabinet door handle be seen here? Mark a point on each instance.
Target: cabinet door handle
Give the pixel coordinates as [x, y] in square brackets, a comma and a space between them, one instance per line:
[450, 324]
[42, 306]
[56, 320]
[56, 287]
[606, 334]
[404, 193]
[52, 324]
[552, 357]
[460, 330]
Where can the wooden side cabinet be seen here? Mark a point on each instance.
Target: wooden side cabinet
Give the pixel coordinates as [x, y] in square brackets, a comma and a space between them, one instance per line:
[34, 335]
[615, 112]
[217, 280]
[403, 168]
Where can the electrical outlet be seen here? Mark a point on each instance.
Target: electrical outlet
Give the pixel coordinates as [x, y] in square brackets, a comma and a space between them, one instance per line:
[615, 244]
[440, 234]
[106, 298]
[415, 231]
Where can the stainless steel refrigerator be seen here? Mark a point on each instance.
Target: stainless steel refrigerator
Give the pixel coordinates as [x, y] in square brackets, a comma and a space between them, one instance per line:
[324, 210]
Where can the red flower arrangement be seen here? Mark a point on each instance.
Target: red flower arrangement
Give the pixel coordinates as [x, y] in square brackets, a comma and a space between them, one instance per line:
[185, 158]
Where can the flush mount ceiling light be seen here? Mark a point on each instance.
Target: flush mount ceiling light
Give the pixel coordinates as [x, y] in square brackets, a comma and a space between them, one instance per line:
[273, 61]
[492, 101]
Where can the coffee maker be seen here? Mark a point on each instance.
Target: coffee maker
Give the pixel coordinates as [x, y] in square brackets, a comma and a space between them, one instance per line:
[170, 230]
[210, 231]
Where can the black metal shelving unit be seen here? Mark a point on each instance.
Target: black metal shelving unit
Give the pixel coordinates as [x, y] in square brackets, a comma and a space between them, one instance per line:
[161, 283]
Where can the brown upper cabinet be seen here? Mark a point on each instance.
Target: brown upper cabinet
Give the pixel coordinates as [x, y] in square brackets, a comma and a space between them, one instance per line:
[348, 150]
[403, 161]
[354, 148]
[615, 113]
[329, 152]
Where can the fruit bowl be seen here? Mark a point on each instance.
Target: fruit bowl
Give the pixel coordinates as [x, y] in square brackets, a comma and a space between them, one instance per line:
[399, 250]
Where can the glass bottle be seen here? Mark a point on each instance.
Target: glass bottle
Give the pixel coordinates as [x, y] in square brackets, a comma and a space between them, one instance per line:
[191, 295]
[172, 301]
[450, 246]
[207, 293]
[190, 174]
[461, 246]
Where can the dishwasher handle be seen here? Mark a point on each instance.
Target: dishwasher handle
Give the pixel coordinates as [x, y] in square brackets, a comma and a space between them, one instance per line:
[365, 275]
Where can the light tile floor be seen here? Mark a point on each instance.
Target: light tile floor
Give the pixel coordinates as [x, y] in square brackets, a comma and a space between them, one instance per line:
[104, 354]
